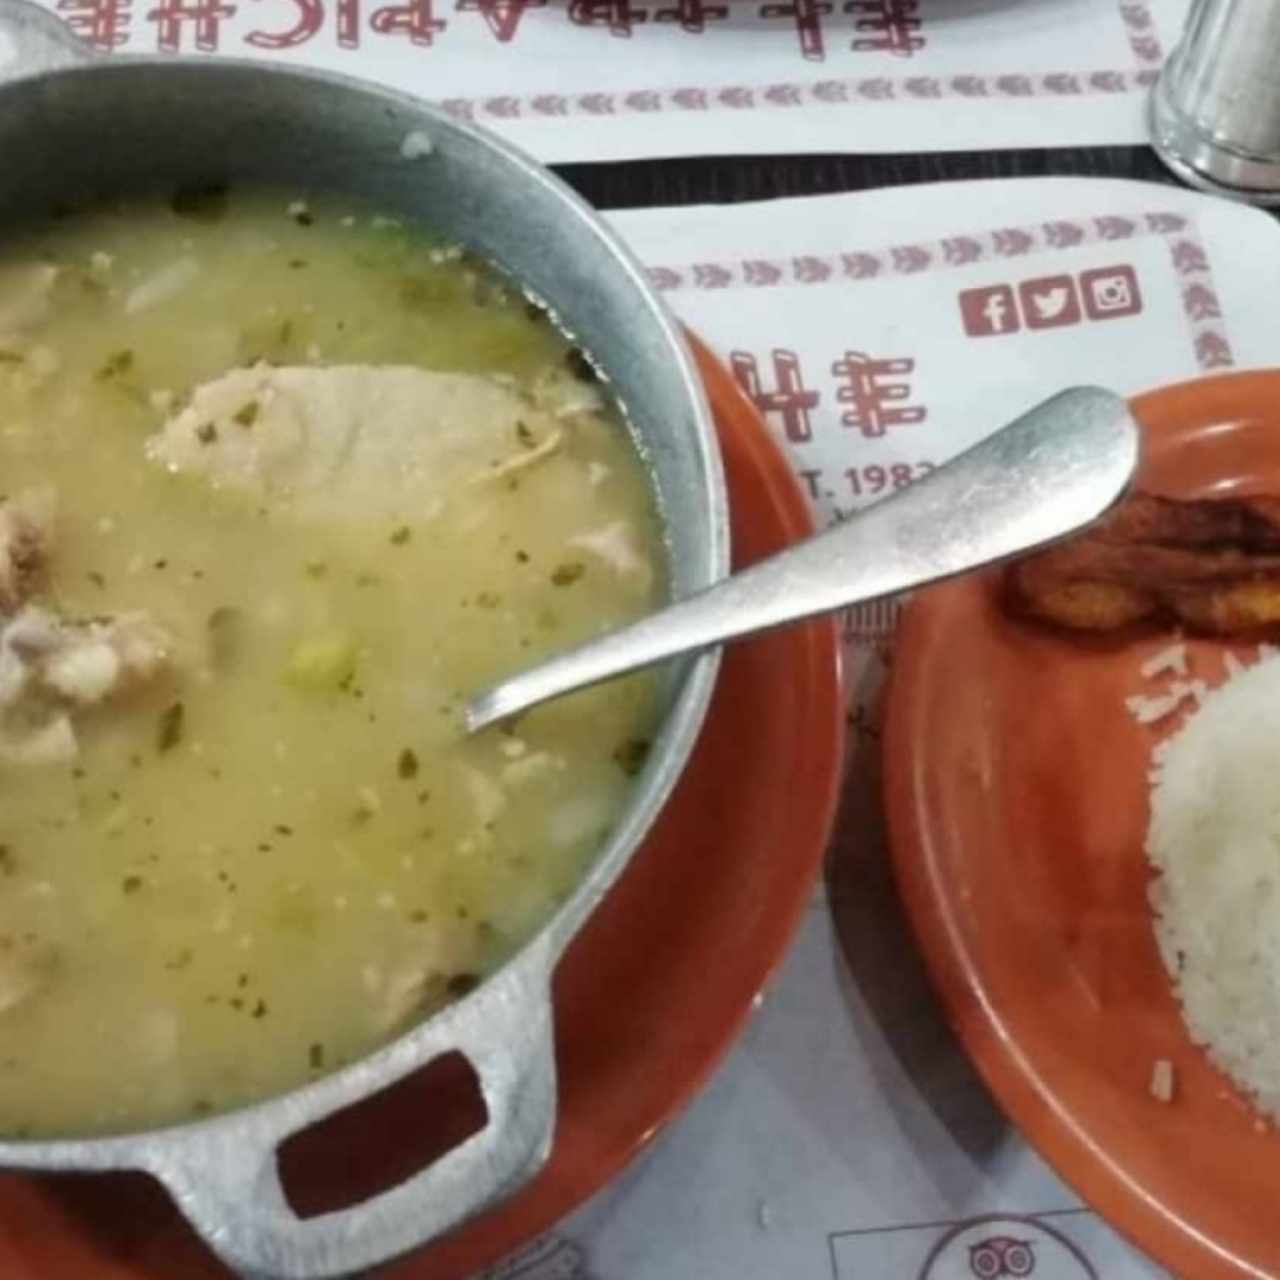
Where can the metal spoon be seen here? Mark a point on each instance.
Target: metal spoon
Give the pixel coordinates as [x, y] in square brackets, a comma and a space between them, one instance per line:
[1047, 474]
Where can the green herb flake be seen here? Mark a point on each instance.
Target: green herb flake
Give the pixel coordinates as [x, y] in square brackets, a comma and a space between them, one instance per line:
[526, 437]
[115, 365]
[315, 1056]
[96, 578]
[7, 864]
[169, 731]
[316, 569]
[283, 830]
[259, 1009]
[297, 264]
[206, 433]
[418, 916]
[131, 884]
[631, 755]
[407, 764]
[567, 574]
[522, 557]
[247, 415]
[401, 536]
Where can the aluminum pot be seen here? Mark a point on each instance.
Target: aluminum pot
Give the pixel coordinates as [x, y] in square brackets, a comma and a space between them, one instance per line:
[74, 125]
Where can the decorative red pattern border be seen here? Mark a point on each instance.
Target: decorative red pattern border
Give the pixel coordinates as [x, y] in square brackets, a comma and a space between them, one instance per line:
[1135, 15]
[817, 93]
[1140, 27]
[1190, 262]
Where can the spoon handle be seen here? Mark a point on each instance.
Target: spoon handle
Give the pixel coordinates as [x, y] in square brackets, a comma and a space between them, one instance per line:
[1045, 475]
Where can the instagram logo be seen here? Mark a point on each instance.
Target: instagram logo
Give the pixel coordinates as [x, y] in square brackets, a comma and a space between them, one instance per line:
[1110, 292]
[989, 311]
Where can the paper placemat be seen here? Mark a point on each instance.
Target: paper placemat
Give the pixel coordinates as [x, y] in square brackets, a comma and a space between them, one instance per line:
[847, 1138]
[614, 79]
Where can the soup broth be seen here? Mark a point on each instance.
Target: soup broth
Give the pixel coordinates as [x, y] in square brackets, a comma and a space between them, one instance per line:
[257, 559]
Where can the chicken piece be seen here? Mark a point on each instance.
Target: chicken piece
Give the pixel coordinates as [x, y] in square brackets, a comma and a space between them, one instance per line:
[82, 662]
[26, 527]
[351, 441]
[1211, 564]
[50, 668]
[95, 660]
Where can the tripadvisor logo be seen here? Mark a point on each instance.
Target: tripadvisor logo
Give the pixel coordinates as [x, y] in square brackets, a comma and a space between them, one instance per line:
[993, 1248]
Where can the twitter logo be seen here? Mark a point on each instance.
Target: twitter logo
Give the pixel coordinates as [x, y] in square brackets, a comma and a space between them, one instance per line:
[1049, 302]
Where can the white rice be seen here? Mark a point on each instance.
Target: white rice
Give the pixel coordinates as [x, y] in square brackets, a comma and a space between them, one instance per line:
[1215, 840]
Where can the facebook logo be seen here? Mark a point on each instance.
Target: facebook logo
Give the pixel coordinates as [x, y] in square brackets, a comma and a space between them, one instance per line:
[989, 311]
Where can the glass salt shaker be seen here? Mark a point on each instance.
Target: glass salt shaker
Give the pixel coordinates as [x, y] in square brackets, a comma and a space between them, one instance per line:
[1215, 110]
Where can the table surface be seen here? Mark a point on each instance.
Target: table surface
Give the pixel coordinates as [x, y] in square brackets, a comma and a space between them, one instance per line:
[729, 179]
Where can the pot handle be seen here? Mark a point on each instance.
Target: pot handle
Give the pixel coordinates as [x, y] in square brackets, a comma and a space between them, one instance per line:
[33, 40]
[226, 1180]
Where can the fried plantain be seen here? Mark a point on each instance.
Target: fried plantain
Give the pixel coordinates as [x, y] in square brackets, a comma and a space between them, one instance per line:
[1212, 565]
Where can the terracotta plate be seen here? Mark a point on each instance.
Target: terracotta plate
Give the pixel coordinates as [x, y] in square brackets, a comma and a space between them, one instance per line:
[1016, 788]
[649, 998]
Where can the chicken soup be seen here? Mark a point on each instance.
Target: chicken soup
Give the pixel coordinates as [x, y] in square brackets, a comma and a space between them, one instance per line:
[284, 483]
